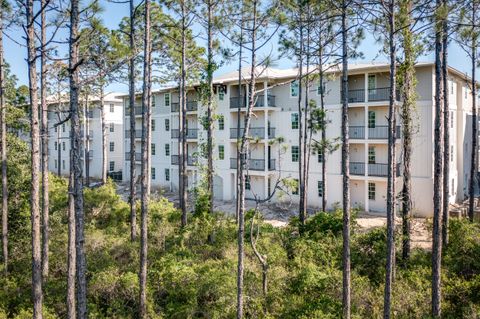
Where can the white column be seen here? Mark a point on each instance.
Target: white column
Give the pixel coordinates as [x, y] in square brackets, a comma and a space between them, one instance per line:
[366, 196]
[265, 187]
[366, 87]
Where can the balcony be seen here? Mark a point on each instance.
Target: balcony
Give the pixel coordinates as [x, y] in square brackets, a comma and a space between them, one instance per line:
[138, 156]
[374, 133]
[255, 164]
[191, 161]
[236, 102]
[89, 136]
[191, 106]
[192, 133]
[137, 109]
[138, 134]
[254, 132]
[374, 95]
[90, 155]
[374, 169]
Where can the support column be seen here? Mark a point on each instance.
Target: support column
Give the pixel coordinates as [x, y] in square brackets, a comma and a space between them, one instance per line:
[366, 87]
[367, 208]
[265, 187]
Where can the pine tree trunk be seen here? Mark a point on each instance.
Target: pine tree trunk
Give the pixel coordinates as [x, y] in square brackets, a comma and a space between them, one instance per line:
[43, 95]
[76, 147]
[345, 169]
[473, 159]
[437, 179]
[145, 175]
[37, 292]
[302, 211]
[239, 106]
[244, 146]
[86, 142]
[3, 153]
[71, 251]
[59, 149]
[183, 156]
[390, 265]
[104, 135]
[323, 149]
[446, 132]
[131, 106]
[210, 69]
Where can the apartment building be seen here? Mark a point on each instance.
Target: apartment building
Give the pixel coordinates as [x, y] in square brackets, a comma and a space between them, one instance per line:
[276, 115]
[91, 132]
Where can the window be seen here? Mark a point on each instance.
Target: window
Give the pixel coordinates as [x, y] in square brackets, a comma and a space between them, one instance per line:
[221, 123]
[372, 81]
[152, 146]
[371, 155]
[63, 127]
[56, 146]
[294, 121]
[55, 129]
[167, 125]
[167, 174]
[221, 95]
[451, 153]
[63, 145]
[112, 166]
[221, 152]
[453, 185]
[320, 188]
[294, 88]
[451, 87]
[112, 146]
[56, 163]
[166, 98]
[321, 89]
[112, 108]
[371, 119]
[295, 187]
[452, 120]
[153, 173]
[167, 149]
[153, 101]
[466, 92]
[247, 183]
[320, 156]
[153, 125]
[63, 164]
[112, 127]
[371, 191]
[295, 153]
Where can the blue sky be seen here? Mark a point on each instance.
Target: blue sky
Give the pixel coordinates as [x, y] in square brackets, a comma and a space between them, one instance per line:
[113, 13]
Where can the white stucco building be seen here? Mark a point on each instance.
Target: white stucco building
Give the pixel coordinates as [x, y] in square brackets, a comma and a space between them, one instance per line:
[276, 115]
[59, 137]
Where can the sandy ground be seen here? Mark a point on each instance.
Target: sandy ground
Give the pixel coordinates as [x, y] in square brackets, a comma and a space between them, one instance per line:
[278, 215]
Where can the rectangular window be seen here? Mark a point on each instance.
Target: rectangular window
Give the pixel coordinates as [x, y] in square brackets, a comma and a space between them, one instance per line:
[55, 129]
[112, 127]
[152, 146]
[63, 164]
[153, 173]
[320, 156]
[248, 186]
[63, 145]
[451, 87]
[63, 128]
[320, 188]
[112, 166]
[221, 95]
[167, 125]
[451, 153]
[166, 98]
[371, 155]
[452, 120]
[167, 174]
[295, 151]
[167, 149]
[372, 116]
[221, 152]
[466, 92]
[294, 88]
[221, 123]
[453, 185]
[371, 191]
[56, 163]
[153, 101]
[153, 125]
[56, 146]
[372, 81]
[295, 187]
[294, 121]
[112, 108]
[112, 146]
[321, 88]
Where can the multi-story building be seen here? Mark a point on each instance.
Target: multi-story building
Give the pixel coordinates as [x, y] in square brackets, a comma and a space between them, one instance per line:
[59, 137]
[276, 115]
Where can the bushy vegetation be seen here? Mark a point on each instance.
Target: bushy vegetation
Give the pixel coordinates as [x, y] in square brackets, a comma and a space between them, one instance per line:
[192, 270]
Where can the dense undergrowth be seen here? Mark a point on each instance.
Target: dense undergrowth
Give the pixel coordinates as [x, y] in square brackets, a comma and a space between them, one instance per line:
[192, 271]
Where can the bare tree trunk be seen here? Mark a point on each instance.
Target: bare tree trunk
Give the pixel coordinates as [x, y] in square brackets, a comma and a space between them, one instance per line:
[131, 105]
[473, 161]
[239, 106]
[243, 164]
[104, 135]
[390, 265]
[437, 179]
[302, 210]
[210, 69]
[76, 147]
[345, 169]
[183, 157]
[37, 292]
[146, 140]
[85, 138]
[59, 148]
[43, 95]
[446, 132]
[3, 153]
[324, 128]
[71, 258]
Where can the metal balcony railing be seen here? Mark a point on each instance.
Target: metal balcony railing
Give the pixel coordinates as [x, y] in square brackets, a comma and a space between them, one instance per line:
[381, 132]
[138, 156]
[138, 134]
[357, 168]
[255, 164]
[88, 136]
[357, 132]
[236, 102]
[192, 133]
[191, 106]
[254, 132]
[191, 161]
[381, 94]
